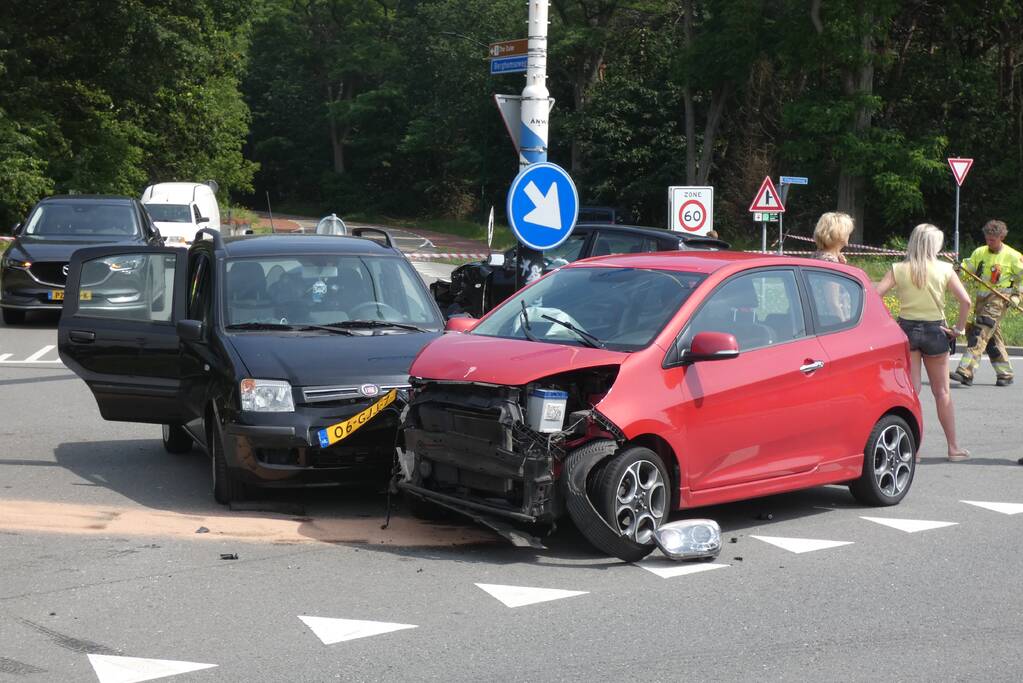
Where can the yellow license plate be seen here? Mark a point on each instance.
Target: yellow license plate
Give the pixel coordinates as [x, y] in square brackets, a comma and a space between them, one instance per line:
[342, 430]
[58, 295]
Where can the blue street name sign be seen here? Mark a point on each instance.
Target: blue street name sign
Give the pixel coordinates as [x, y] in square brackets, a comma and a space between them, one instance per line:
[508, 65]
[793, 180]
[543, 205]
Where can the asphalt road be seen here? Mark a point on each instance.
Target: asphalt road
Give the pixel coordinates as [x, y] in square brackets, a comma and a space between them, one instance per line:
[102, 556]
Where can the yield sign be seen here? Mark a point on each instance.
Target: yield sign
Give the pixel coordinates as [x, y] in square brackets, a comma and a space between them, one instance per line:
[960, 167]
[767, 198]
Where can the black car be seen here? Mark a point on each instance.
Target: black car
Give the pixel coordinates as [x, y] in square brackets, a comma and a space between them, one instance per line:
[34, 268]
[285, 357]
[477, 287]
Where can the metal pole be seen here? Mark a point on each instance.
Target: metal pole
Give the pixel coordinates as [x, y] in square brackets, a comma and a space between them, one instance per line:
[957, 223]
[535, 119]
[763, 237]
[270, 211]
[781, 234]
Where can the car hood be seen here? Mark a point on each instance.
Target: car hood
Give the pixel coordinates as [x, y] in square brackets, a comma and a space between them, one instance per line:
[513, 362]
[33, 249]
[325, 359]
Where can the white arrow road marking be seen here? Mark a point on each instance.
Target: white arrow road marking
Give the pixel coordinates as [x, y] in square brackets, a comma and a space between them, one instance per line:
[1004, 508]
[547, 213]
[110, 669]
[34, 358]
[518, 596]
[332, 631]
[800, 545]
[910, 526]
[667, 569]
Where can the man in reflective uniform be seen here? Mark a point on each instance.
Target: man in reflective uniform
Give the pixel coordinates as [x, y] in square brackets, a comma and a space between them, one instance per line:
[1001, 266]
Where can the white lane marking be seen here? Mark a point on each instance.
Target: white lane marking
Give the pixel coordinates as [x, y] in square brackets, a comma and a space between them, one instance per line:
[800, 545]
[1004, 508]
[332, 631]
[910, 526]
[111, 669]
[34, 358]
[519, 596]
[667, 569]
[5, 356]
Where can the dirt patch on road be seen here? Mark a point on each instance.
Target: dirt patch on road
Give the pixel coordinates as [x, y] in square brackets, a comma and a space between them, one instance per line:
[66, 518]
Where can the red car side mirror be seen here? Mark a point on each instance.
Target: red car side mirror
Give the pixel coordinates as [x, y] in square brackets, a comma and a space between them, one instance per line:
[459, 324]
[711, 346]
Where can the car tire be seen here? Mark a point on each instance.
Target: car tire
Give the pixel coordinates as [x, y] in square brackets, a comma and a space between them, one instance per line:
[585, 484]
[13, 317]
[633, 495]
[888, 464]
[226, 486]
[176, 439]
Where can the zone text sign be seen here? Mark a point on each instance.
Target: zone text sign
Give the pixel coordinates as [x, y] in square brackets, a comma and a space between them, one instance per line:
[691, 209]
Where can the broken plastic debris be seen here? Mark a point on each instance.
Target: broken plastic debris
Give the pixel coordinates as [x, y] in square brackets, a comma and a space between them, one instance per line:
[229, 556]
[202, 530]
[765, 516]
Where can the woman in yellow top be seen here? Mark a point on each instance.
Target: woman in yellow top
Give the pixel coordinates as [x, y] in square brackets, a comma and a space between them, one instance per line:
[920, 283]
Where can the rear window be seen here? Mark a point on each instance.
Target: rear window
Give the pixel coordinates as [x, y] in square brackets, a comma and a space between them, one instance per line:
[837, 301]
[169, 213]
[85, 219]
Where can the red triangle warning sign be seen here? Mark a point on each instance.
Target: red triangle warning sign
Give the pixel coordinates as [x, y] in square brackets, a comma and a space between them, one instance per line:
[960, 167]
[767, 198]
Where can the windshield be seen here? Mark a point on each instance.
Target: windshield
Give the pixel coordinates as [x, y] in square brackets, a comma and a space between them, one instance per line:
[323, 289]
[170, 213]
[621, 309]
[85, 219]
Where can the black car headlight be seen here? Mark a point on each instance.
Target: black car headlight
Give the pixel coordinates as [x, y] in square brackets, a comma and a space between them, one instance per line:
[11, 262]
[125, 264]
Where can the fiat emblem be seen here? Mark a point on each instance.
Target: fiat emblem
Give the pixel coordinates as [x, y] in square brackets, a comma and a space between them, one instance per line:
[65, 269]
[369, 390]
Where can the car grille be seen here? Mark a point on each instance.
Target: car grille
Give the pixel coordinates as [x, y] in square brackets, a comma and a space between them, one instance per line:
[326, 394]
[50, 272]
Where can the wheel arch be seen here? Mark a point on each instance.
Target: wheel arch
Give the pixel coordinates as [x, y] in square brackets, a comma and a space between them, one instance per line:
[907, 415]
[667, 455]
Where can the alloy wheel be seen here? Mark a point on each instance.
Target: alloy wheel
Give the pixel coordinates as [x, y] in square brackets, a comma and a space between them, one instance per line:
[893, 457]
[640, 501]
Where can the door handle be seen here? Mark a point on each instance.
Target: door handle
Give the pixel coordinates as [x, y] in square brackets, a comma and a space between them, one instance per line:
[82, 336]
[811, 367]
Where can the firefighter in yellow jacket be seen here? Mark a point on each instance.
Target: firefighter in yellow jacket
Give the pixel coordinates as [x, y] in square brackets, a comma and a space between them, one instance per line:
[1001, 266]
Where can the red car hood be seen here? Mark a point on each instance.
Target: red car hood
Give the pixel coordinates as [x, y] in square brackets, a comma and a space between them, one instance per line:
[474, 358]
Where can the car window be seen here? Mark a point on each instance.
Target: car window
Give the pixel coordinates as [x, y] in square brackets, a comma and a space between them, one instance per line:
[616, 243]
[195, 210]
[169, 213]
[837, 301]
[318, 289]
[759, 309]
[127, 287]
[199, 288]
[623, 308]
[566, 252]
[83, 219]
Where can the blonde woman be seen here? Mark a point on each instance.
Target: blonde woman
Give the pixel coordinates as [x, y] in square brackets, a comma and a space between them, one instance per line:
[832, 235]
[920, 283]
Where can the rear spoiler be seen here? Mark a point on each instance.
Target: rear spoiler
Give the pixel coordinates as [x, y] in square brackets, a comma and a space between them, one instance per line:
[359, 232]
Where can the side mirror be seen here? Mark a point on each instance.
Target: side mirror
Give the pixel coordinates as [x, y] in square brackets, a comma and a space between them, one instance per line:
[203, 219]
[16, 230]
[189, 330]
[711, 346]
[460, 324]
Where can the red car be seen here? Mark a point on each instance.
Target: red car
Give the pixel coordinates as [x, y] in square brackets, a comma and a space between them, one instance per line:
[618, 389]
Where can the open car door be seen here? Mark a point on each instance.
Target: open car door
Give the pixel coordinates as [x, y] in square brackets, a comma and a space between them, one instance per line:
[117, 330]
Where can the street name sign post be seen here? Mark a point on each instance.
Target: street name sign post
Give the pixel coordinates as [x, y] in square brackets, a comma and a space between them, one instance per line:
[960, 167]
[691, 209]
[784, 183]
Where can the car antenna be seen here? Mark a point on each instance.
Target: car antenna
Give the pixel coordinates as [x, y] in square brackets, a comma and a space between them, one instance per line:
[270, 211]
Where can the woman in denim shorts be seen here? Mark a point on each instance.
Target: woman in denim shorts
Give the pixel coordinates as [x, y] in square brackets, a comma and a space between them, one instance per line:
[920, 283]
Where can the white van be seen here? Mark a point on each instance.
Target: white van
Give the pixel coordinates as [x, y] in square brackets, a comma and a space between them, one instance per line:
[180, 209]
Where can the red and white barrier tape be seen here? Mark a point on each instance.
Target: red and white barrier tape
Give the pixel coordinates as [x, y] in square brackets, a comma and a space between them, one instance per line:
[425, 256]
[861, 249]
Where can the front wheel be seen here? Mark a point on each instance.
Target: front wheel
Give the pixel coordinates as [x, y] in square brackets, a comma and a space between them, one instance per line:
[888, 464]
[176, 439]
[226, 486]
[633, 496]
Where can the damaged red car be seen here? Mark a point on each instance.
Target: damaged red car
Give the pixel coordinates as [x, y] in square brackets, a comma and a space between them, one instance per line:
[619, 389]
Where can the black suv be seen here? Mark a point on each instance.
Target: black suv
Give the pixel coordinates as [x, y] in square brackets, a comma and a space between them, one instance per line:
[477, 287]
[285, 357]
[34, 268]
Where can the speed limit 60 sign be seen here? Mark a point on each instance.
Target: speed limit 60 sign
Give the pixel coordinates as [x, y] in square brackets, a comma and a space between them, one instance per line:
[691, 209]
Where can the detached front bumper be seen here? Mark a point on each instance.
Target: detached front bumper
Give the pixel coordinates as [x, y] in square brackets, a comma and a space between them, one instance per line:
[283, 449]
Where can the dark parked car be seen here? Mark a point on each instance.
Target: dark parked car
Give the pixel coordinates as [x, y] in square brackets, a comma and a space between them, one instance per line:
[285, 357]
[34, 268]
[477, 287]
[600, 214]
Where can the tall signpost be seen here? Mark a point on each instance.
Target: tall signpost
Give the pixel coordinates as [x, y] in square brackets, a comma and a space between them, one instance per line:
[784, 183]
[766, 208]
[960, 167]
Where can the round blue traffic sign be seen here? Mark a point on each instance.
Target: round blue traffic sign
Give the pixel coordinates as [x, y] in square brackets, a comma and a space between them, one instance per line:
[543, 205]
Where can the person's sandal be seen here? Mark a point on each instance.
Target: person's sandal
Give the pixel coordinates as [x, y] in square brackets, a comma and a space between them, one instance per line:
[960, 456]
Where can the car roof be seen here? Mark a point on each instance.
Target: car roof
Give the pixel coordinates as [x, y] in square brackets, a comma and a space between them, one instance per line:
[615, 227]
[299, 243]
[76, 198]
[697, 261]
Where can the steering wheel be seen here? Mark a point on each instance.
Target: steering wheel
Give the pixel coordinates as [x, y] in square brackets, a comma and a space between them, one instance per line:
[385, 311]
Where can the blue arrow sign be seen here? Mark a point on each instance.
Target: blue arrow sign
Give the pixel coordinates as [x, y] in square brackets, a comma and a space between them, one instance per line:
[793, 180]
[543, 205]
[508, 65]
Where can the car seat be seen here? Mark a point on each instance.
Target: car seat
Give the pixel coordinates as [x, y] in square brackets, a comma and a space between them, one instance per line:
[733, 310]
[246, 292]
